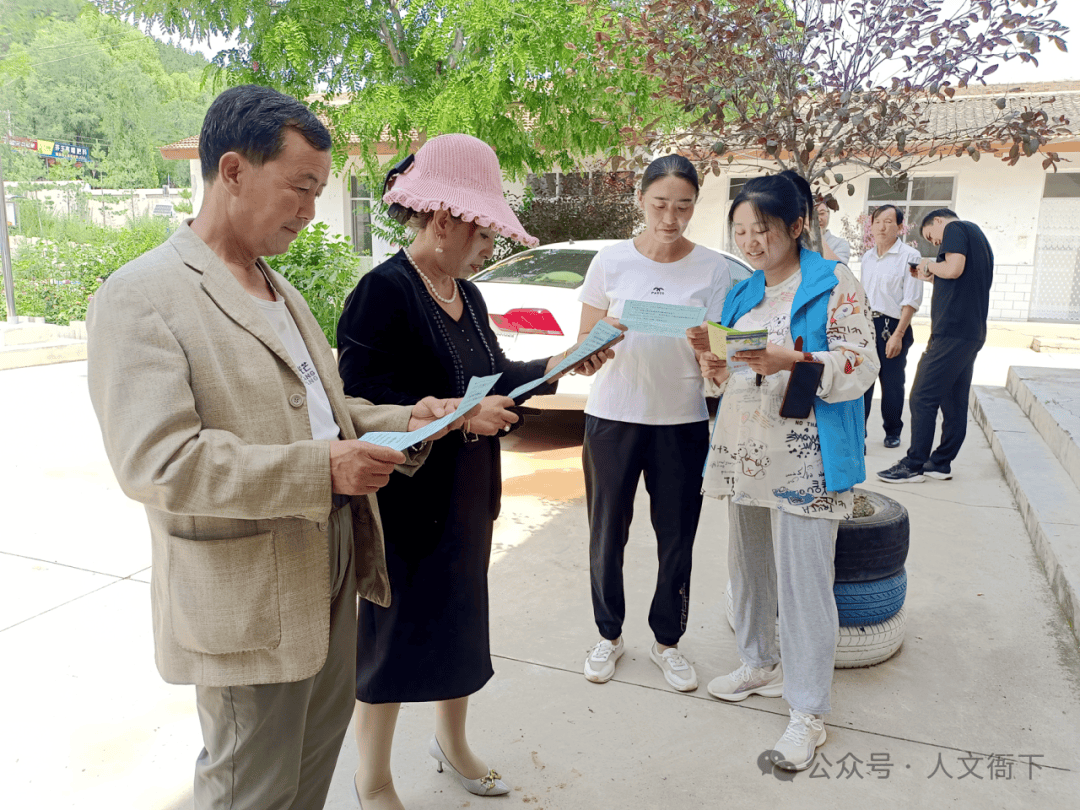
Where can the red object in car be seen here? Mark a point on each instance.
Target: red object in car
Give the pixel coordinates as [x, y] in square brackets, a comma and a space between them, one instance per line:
[527, 322]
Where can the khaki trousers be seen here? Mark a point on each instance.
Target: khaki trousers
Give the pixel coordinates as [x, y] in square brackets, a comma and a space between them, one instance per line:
[274, 746]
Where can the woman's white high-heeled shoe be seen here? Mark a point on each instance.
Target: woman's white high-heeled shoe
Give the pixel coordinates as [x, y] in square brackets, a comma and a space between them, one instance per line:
[356, 792]
[490, 785]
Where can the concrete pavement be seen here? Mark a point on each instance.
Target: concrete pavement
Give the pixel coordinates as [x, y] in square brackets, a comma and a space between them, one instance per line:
[987, 668]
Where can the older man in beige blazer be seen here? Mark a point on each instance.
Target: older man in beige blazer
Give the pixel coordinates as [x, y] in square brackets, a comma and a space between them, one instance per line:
[222, 411]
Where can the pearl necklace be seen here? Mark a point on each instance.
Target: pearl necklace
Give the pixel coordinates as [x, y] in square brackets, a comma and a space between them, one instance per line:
[430, 283]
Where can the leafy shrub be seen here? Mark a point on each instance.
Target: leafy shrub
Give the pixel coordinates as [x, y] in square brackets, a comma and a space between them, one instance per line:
[324, 269]
[605, 210]
[600, 206]
[56, 276]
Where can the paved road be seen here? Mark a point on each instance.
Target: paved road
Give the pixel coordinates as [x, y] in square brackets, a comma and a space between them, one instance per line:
[987, 667]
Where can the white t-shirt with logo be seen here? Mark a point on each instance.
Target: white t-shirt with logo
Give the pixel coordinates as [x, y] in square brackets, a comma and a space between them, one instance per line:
[320, 414]
[652, 380]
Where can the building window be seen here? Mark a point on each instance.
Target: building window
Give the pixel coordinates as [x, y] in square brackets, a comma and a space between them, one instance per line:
[735, 185]
[1062, 184]
[1055, 292]
[360, 204]
[916, 197]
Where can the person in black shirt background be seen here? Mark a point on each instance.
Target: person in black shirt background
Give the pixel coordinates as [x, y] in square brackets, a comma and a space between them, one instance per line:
[962, 276]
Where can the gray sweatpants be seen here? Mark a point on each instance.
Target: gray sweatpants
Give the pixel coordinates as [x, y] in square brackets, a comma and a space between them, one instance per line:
[779, 560]
[274, 746]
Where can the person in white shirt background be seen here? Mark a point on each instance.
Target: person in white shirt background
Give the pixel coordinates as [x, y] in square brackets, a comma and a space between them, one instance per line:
[646, 415]
[895, 296]
[837, 244]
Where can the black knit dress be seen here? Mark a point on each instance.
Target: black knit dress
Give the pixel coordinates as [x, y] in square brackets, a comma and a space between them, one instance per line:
[396, 345]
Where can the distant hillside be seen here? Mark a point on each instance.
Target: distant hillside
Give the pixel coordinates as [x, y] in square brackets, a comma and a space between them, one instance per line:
[75, 81]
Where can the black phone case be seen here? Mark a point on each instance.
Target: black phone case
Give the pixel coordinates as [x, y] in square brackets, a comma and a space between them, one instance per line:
[801, 389]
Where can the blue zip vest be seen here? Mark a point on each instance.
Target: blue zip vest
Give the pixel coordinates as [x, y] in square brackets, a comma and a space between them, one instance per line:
[841, 426]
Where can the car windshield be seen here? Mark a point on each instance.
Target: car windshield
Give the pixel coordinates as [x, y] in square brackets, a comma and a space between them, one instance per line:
[547, 268]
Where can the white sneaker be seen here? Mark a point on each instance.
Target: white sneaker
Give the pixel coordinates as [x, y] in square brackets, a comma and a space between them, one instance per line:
[677, 670]
[600, 665]
[747, 681]
[798, 747]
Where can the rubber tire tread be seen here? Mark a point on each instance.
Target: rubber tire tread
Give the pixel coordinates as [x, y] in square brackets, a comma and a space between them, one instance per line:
[874, 547]
[870, 602]
[857, 646]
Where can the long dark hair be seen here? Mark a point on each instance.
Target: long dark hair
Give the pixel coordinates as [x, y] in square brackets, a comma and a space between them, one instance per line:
[670, 166]
[777, 199]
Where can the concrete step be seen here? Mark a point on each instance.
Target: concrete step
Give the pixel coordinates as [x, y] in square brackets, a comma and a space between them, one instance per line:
[1056, 344]
[27, 332]
[1050, 398]
[64, 350]
[1046, 496]
[35, 330]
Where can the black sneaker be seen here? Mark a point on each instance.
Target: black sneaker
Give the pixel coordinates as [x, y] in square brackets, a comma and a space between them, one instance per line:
[942, 472]
[892, 441]
[900, 473]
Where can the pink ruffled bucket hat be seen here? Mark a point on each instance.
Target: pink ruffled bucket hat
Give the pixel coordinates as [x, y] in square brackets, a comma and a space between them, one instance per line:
[461, 174]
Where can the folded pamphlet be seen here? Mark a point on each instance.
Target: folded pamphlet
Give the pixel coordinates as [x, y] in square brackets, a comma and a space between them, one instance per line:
[724, 341]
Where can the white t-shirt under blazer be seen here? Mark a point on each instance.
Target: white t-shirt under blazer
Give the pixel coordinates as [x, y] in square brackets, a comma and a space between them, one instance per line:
[652, 380]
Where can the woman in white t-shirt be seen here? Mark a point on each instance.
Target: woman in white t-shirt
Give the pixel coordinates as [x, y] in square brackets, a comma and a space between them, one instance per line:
[646, 415]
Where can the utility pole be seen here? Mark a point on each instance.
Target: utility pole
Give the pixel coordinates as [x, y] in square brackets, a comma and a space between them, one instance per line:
[5, 251]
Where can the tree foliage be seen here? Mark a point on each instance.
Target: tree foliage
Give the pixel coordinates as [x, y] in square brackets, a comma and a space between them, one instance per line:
[69, 73]
[60, 260]
[324, 269]
[597, 206]
[518, 74]
[817, 85]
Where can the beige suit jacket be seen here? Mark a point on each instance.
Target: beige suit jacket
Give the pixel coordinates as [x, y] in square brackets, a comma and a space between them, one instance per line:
[204, 420]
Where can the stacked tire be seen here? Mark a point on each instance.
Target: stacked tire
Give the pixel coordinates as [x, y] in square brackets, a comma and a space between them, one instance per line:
[870, 585]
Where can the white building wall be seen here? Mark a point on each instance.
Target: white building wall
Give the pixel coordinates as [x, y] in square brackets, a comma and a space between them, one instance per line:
[111, 208]
[1003, 200]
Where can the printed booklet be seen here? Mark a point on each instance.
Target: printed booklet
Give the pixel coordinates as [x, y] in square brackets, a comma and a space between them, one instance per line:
[724, 342]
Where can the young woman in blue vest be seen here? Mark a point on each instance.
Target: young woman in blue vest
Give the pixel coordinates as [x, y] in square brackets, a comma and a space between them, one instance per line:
[788, 481]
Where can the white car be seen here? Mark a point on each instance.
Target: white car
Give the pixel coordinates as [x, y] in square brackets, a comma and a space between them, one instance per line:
[532, 301]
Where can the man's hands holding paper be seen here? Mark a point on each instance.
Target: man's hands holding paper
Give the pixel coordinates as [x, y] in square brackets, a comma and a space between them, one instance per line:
[429, 409]
[359, 468]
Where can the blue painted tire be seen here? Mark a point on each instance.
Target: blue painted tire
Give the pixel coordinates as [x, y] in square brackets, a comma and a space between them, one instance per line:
[873, 602]
[859, 645]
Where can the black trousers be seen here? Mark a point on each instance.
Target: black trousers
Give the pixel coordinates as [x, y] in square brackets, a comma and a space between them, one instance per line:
[891, 377]
[942, 382]
[671, 457]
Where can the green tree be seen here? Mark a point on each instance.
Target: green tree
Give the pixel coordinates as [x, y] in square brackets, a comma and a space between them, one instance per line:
[324, 269]
[71, 73]
[515, 73]
[823, 85]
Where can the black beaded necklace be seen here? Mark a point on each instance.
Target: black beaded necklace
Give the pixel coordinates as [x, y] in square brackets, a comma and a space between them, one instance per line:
[435, 314]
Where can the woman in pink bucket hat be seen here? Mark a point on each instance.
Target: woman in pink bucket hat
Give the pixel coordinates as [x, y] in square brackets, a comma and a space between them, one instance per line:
[413, 326]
